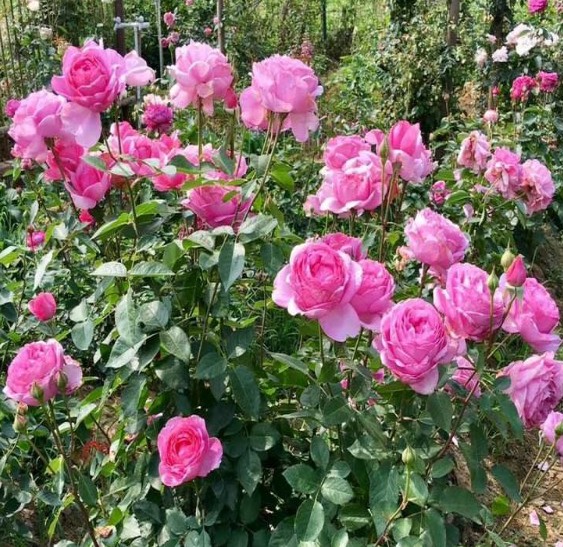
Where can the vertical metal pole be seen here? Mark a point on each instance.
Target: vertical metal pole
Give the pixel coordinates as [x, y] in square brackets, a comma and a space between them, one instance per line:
[120, 33]
[220, 29]
[159, 35]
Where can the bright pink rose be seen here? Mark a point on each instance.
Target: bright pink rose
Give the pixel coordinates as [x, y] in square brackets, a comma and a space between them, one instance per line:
[187, 451]
[466, 377]
[36, 363]
[203, 75]
[491, 116]
[475, 151]
[466, 303]
[35, 239]
[522, 87]
[435, 241]
[537, 186]
[68, 157]
[536, 387]
[286, 87]
[504, 172]
[412, 343]
[537, 6]
[43, 306]
[516, 273]
[352, 246]
[439, 193]
[319, 283]
[87, 186]
[341, 149]
[551, 430]
[208, 203]
[373, 298]
[86, 218]
[169, 19]
[11, 107]
[548, 81]
[535, 317]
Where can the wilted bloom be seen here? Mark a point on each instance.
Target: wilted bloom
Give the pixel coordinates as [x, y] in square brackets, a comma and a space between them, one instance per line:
[165, 43]
[174, 37]
[504, 172]
[475, 151]
[157, 115]
[187, 451]
[319, 283]
[500, 55]
[466, 377]
[552, 430]
[537, 186]
[548, 81]
[439, 193]
[481, 57]
[169, 19]
[43, 306]
[35, 239]
[537, 6]
[491, 116]
[287, 88]
[536, 387]
[522, 87]
[352, 246]
[516, 273]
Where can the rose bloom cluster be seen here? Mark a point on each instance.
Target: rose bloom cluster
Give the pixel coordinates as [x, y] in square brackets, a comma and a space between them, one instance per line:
[531, 181]
[524, 38]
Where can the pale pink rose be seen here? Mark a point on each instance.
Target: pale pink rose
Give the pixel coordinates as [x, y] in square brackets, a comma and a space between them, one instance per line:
[72, 375]
[169, 19]
[352, 246]
[537, 186]
[187, 451]
[435, 241]
[190, 2]
[535, 317]
[550, 427]
[35, 363]
[135, 71]
[516, 273]
[504, 172]
[209, 205]
[412, 343]
[35, 239]
[174, 37]
[63, 160]
[286, 87]
[439, 193]
[203, 75]
[481, 57]
[319, 283]
[475, 151]
[548, 81]
[11, 107]
[491, 116]
[374, 297]
[43, 306]
[341, 149]
[87, 186]
[537, 6]
[500, 55]
[536, 387]
[312, 205]
[466, 377]
[522, 87]
[467, 303]
[517, 32]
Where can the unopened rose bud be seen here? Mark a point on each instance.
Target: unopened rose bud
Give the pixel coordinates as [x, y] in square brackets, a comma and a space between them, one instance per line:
[37, 392]
[559, 430]
[20, 423]
[507, 259]
[492, 281]
[516, 274]
[384, 151]
[62, 382]
[408, 456]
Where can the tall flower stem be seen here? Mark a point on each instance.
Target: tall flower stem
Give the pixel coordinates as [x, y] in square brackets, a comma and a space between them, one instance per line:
[200, 132]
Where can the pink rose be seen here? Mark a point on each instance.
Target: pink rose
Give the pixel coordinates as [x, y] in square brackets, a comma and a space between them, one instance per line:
[86, 218]
[467, 303]
[352, 246]
[11, 107]
[491, 116]
[87, 186]
[516, 273]
[435, 241]
[537, 186]
[522, 87]
[286, 87]
[174, 37]
[169, 19]
[71, 376]
[208, 203]
[374, 297]
[35, 239]
[439, 193]
[341, 149]
[208, 31]
[504, 172]
[537, 6]
[203, 75]
[43, 306]
[475, 151]
[535, 317]
[412, 343]
[536, 387]
[466, 377]
[157, 115]
[63, 160]
[135, 71]
[548, 81]
[551, 430]
[37, 363]
[187, 451]
[319, 283]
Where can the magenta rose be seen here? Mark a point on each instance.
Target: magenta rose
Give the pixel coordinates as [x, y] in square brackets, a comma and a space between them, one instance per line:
[504, 172]
[43, 306]
[35, 239]
[536, 387]
[319, 283]
[352, 246]
[548, 81]
[187, 451]
[435, 241]
[475, 151]
[87, 186]
[466, 303]
[522, 87]
[537, 186]
[341, 149]
[11, 107]
[465, 376]
[63, 160]
[537, 6]
[374, 297]
[516, 273]
[551, 430]
[413, 342]
[535, 317]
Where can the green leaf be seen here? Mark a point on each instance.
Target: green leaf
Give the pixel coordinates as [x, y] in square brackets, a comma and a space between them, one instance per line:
[508, 482]
[336, 411]
[354, 516]
[291, 362]
[153, 316]
[340, 539]
[442, 467]
[110, 269]
[455, 499]
[82, 334]
[176, 522]
[210, 366]
[231, 263]
[256, 227]
[272, 258]
[337, 490]
[501, 506]
[263, 437]
[203, 239]
[197, 539]
[87, 490]
[302, 478]
[435, 527]
[249, 471]
[319, 452]
[126, 320]
[132, 394]
[309, 520]
[246, 391]
[151, 269]
[439, 406]
[183, 165]
[96, 162]
[281, 174]
[41, 269]
[175, 341]
[112, 227]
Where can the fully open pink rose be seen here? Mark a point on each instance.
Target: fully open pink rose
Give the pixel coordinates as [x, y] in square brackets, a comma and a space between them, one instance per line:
[413, 342]
[475, 151]
[135, 71]
[535, 317]
[87, 186]
[522, 87]
[504, 172]
[43, 306]
[35, 363]
[208, 203]
[341, 149]
[286, 87]
[374, 297]
[157, 115]
[551, 430]
[466, 303]
[536, 387]
[352, 246]
[537, 186]
[319, 283]
[63, 160]
[435, 241]
[187, 451]
[465, 376]
[491, 116]
[548, 81]
[203, 75]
